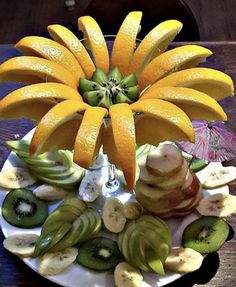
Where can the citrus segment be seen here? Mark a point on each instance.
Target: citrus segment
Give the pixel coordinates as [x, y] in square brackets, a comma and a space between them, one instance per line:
[50, 50]
[171, 61]
[68, 39]
[125, 42]
[31, 109]
[212, 82]
[57, 116]
[38, 92]
[197, 105]
[35, 70]
[89, 138]
[95, 41]
[170, 115]
[154, 43]
[60, 139]
[123, 129]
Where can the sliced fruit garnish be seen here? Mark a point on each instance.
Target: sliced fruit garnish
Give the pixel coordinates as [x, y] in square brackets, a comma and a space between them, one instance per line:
[180, 58]
[50, 50]
[212, 82]
[57, 116]
[123, 128]
[31, 69]
[88, 140]
[127, 275]
[154, 43]
[33, 109]
[68, 39]
[173, 122]
[125, 42]
[197, 105]
[95, 41]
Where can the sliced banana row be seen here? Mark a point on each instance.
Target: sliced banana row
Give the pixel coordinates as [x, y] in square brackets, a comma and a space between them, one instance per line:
[222, 205]
[126, 275]
[183, 260]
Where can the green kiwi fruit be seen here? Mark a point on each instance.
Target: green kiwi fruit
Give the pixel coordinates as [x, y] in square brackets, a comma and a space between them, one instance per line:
[22, 208]
[99, 254]
[206, 234]
[198, 164]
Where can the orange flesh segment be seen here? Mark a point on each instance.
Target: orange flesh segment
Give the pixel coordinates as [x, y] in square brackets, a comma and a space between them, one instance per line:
[57, 116]
[123, 129]
[125, 42]
[95, 41]
[68, 39]
[50, 50]
[88, 140]
[34, 69]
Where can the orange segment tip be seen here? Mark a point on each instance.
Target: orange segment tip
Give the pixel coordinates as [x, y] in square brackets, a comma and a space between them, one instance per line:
[171, 121]
[154, 43]
[123, 130]
[89, 138]
[50, 50]
[95, 41]
[31, 69]
[58, 115]
[179, 58]
[68, 39]
[125, 41]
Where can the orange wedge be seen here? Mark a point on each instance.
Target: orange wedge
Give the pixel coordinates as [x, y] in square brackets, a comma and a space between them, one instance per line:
[58, 115]
[31, 109]
[171, 61]
[89, 138]
[212, 82]
[68, 39]
[154, 43]
[197, 105]
[95, 41]
[123, 130]
[125, 42]
[50, 50]
[35, 70]
[38, 92]
[172, 120]
[64, 136]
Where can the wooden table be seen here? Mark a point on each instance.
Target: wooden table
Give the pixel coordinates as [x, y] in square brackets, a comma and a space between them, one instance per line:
[219, 269]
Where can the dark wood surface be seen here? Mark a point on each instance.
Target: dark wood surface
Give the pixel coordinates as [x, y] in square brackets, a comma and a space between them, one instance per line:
[218, 270]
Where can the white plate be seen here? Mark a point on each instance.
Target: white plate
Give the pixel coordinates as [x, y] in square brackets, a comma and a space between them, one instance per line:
[77, 276]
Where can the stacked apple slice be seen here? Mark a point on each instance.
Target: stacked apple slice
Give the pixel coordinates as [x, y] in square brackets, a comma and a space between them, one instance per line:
[166, 186]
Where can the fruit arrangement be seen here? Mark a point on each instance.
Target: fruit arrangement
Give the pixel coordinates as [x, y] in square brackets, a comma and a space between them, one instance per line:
[136, 96]
[71, 92]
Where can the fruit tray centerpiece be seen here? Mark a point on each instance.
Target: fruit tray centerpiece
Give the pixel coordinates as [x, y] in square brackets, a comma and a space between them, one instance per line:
[125, 103]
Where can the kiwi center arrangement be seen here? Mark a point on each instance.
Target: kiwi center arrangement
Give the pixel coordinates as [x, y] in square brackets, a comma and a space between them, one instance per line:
[104, 90]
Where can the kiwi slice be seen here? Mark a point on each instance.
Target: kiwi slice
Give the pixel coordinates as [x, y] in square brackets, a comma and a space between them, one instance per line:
[22, 208]
[99, 254]
[198, 164]
[206, 234]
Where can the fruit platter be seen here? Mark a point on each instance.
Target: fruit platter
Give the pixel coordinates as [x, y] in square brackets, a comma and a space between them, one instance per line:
[100, 191]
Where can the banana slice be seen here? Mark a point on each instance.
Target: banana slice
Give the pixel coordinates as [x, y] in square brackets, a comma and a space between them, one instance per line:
[183, 260]
[132, 210]
[113, 215]
[16, 178]
[222, 205]
[219, 177]
[164, 160]
[21, 244]
[50, 193]
[53, 263]
[91, 186]
[127, 276]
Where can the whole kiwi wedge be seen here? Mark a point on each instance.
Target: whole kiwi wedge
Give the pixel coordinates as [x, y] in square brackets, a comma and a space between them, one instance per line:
[206, 234]
[99, 254]
[22, 208]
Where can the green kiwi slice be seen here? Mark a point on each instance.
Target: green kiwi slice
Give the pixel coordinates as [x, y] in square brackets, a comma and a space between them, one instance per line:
[206, 234]
[99, 254]
[22, 208]
[198, 164]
